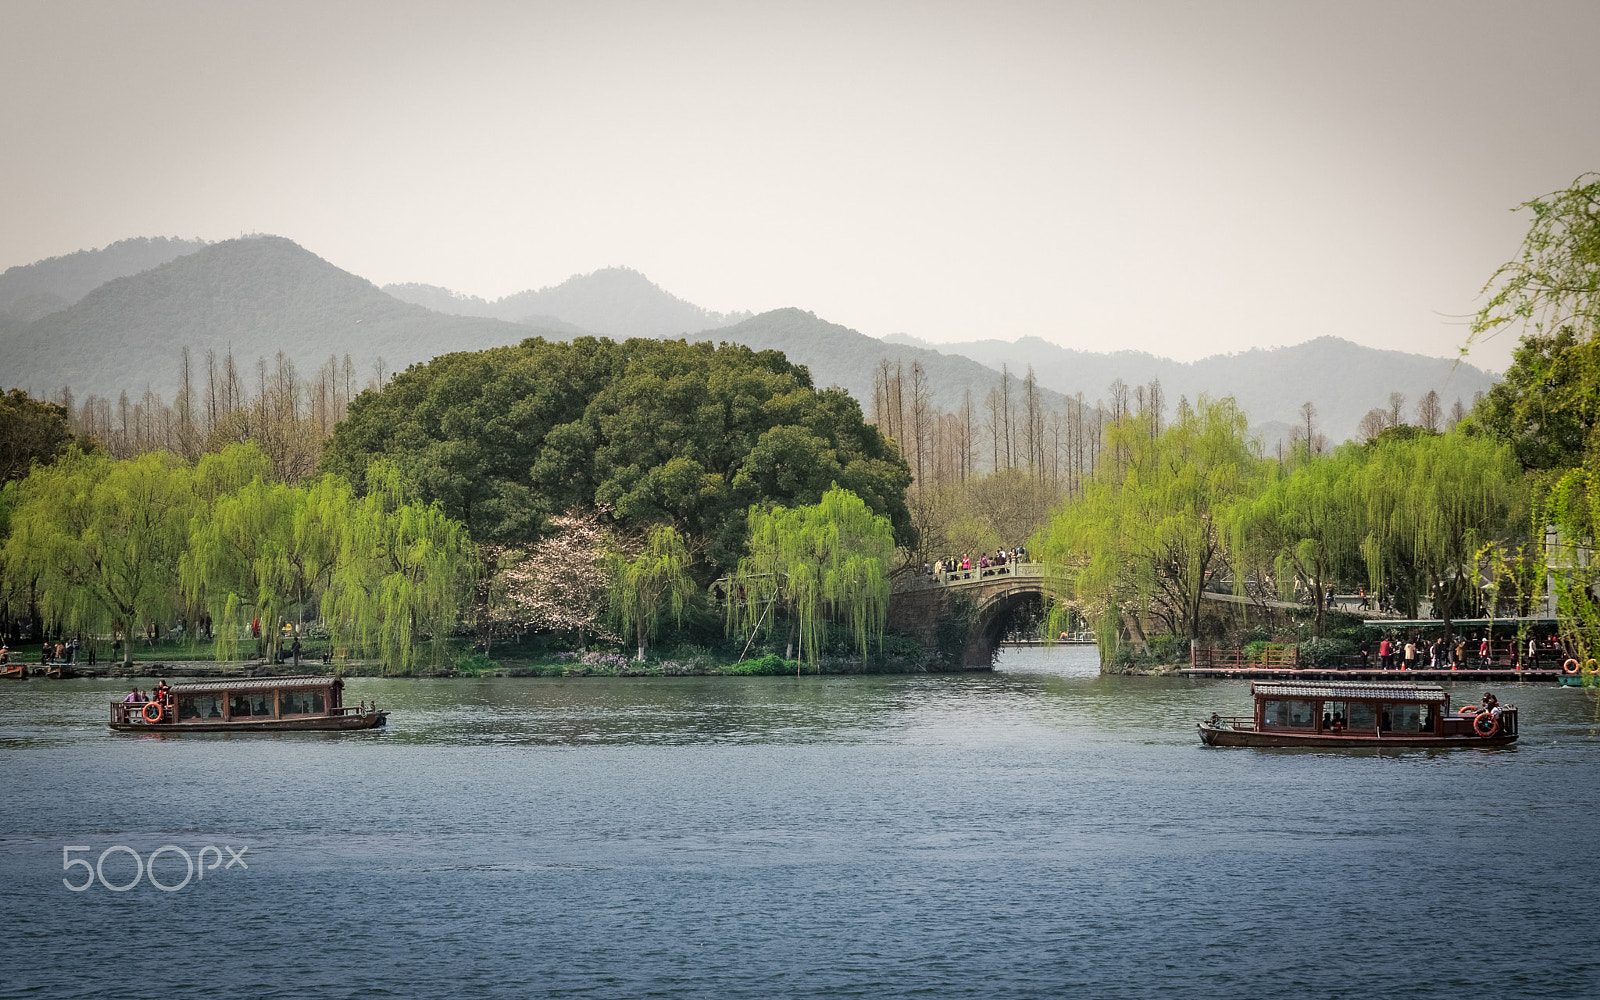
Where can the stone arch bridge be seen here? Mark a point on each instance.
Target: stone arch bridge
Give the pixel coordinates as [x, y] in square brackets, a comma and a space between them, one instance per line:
[977, 602]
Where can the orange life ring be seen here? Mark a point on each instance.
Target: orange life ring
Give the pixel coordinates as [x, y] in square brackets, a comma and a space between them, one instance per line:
[1571, 666]
[1468, 710]
[1478, 724]
[1591, 665]
[152, 706]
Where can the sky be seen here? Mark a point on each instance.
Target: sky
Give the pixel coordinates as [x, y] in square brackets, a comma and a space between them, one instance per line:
[1181, 178]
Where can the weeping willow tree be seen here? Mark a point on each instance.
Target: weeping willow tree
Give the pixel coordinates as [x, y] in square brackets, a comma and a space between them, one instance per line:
[653, 582]
[1149, 532]
[1571, 509]
[1306, 525]
[1432, 503]
[103, 538]
[1547, 408]
[400, 571]
[820, 562]
[262, 550]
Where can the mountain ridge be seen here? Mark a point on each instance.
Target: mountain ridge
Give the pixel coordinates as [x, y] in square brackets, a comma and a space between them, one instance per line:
[614, 302]
[259, 295]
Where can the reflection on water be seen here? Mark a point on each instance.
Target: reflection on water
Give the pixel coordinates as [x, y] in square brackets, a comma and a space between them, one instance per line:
[1039, 830]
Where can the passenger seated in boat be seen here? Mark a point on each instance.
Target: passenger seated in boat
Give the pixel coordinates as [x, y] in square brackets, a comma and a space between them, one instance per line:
[1327, 721]
[133, 697]
[1338, 722]
[1489, 702]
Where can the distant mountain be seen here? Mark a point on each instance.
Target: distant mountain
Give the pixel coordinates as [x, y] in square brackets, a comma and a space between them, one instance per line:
[615, 302]
[838, 355]
[29, 291]
[257, 296]
[1342, 379]
[262, 295]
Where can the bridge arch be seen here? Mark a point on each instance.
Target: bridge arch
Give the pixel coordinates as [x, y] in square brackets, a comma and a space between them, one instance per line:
[978, 602]
[988, 628]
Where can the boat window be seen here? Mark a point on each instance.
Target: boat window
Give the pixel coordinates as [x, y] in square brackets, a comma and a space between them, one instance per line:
[1362, 716]
[301, 703]
[1291, 714]
[1403, 718]
[250, 704]
[199, 706]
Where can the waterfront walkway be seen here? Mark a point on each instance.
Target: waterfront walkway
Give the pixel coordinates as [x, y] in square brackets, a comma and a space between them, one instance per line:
[1336, 674]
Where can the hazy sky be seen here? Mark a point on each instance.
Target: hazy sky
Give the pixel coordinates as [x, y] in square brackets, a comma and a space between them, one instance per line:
[1183, 178]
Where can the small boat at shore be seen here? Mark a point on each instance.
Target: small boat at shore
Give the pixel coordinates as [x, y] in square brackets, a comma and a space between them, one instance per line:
[248, 705]
[1355, 714]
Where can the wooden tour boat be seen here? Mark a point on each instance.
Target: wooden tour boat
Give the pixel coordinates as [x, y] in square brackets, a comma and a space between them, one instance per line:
[248, 705]
[1356, 714]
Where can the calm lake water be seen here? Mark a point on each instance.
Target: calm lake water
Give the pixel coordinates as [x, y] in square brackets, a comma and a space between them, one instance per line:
[1039, 831]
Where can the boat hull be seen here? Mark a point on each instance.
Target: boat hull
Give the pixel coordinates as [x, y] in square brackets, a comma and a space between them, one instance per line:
[1219, 737]
[321, 724]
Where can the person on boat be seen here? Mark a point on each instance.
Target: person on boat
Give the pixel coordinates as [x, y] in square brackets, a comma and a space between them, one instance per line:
[1338, 722]
[163, 693]
[133, 697]
[5, 653]
[1489, 702]
[1327, 721]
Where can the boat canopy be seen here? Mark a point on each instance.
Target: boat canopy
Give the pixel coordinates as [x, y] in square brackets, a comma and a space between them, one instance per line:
[1350, 691]
[254, 684]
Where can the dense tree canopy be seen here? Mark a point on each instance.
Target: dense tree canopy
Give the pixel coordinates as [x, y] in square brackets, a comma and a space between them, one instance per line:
[31, 430]
[658, 432]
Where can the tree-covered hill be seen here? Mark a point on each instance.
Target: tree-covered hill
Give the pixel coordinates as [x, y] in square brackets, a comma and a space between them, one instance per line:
[29, 291]
[650, 431]
[612, 302]
[255, 296]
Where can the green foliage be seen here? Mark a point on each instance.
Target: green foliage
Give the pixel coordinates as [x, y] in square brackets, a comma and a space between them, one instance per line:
[771, 665]
[475, 663]
[1326, 652]
[655, 580]
[828, 560]
[1149, 531]
[1554, 284]
[31, 430]
[1431, 503]
[402, 571]
[259, 549]
[656, 432]
[102, 537]
[1307, 524]
[1548, 405]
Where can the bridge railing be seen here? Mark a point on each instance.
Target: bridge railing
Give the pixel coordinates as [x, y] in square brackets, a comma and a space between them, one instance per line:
[973, 576]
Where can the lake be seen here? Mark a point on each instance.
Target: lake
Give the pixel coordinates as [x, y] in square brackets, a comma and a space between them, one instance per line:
[1037, 831]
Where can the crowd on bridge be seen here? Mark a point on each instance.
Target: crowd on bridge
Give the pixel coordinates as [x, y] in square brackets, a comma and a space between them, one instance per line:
[950, 569]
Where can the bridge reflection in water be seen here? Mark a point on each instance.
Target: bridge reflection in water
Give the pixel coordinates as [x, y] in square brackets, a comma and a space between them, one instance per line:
[982, 599]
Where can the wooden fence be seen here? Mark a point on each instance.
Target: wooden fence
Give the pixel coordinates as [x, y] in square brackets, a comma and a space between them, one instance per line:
[1208, 658]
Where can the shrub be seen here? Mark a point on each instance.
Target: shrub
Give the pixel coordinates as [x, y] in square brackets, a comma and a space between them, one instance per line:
[767, 666]
[475, 663]
[1326, 652]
